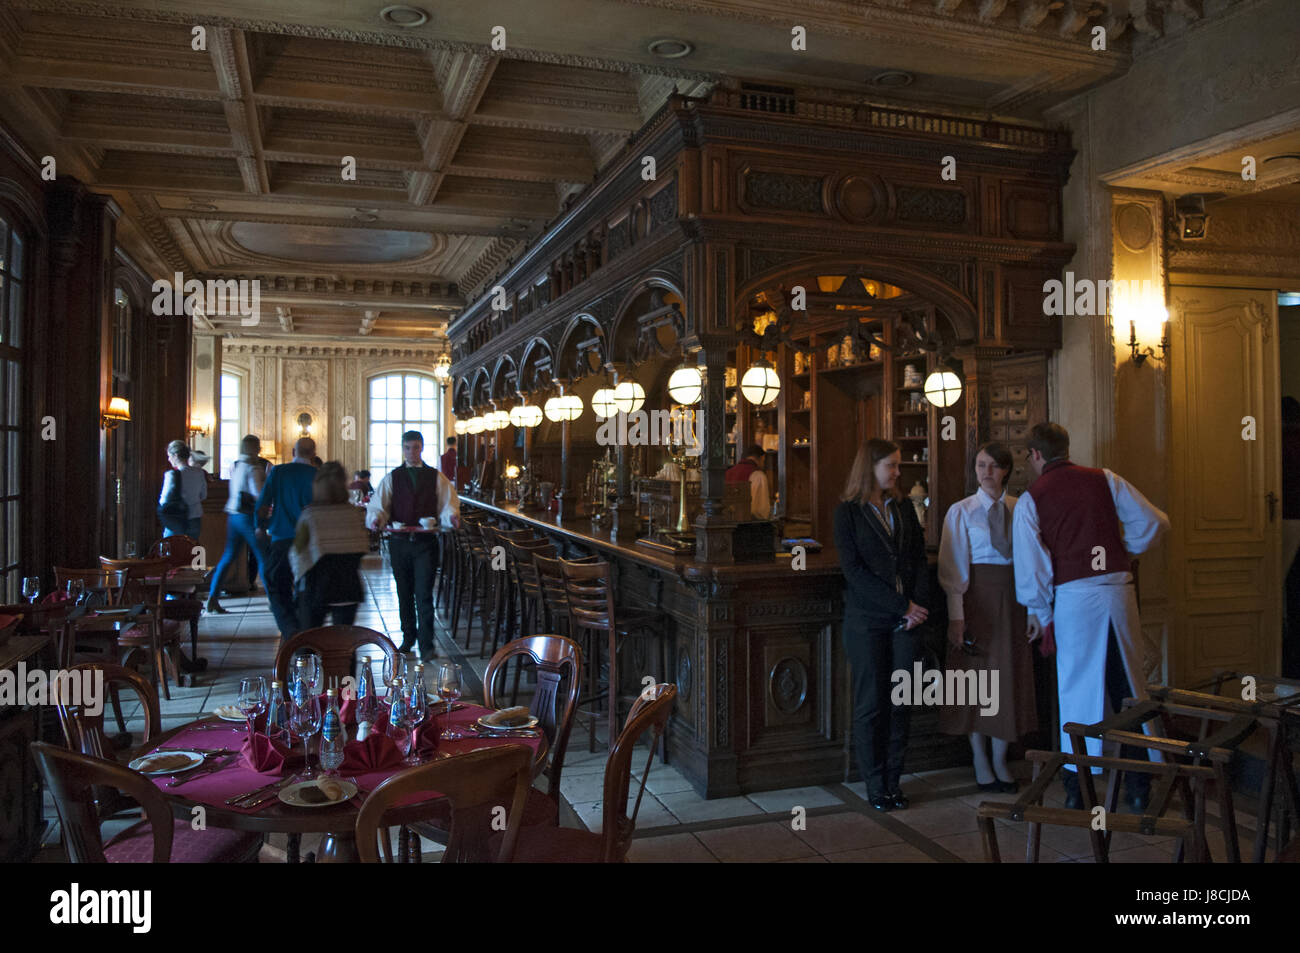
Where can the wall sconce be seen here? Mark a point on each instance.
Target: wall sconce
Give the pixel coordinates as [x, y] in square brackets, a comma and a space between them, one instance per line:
[268, 450]
[304, 424]
[1136, 354]
[200, 426]
[119, 411]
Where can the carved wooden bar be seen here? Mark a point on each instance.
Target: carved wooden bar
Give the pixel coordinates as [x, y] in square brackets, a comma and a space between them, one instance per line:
[751, 196]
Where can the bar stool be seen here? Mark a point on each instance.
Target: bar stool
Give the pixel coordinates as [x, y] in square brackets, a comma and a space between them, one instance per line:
[507, 602]
[473, 571]
[589, 591]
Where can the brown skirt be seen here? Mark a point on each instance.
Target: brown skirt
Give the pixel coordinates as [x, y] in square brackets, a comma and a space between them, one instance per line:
[996, 624]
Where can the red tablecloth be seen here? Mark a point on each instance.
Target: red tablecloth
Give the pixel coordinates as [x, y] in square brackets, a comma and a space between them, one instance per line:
[238, 778]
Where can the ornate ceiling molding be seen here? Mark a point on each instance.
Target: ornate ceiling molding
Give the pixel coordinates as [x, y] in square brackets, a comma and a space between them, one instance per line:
[270, 348]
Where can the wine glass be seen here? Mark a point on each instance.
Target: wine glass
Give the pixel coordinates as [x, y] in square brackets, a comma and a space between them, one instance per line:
[313, 673]
[449, 683]
[394, 669]
[305, 720]
[165, 549]
[252, 700]
[131, 551]
[76, 591]
[417, 709]
[32, 588]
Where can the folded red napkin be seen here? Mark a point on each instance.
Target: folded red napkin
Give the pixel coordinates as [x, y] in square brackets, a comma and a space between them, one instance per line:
[376, 753]
[264, 755]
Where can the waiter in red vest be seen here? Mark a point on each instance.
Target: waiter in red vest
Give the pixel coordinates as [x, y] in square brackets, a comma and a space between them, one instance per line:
[750, 470]
[407, 495]
[448, 464]
[1074, 534]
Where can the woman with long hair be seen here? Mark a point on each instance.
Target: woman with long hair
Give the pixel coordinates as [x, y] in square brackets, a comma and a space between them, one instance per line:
[882, 554]
[987, 629]
[326, 554]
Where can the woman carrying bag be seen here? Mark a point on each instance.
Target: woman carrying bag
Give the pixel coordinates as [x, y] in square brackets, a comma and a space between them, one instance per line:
[180, 505]
[882, 553]
[327, 548]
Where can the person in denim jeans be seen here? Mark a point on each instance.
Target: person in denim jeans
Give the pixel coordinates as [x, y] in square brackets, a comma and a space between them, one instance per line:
[247, 477]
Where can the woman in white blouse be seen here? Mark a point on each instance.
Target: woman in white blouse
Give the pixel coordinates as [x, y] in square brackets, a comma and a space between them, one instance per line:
[987, 630]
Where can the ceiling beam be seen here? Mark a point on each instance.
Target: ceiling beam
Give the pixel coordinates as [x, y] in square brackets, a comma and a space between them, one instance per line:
[229, 49]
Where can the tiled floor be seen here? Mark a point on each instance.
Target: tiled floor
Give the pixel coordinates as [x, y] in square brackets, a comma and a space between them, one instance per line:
[810, 824]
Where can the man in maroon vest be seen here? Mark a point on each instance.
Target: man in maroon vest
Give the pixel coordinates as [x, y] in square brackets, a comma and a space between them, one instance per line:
[1073, 535]
[405, 497]
[448, 464]
[750, 470]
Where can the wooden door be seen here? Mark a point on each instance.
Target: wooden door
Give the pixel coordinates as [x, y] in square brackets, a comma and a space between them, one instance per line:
[1225, 541]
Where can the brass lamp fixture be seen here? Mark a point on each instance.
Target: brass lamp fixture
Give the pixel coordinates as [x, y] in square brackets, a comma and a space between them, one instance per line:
[117, 412]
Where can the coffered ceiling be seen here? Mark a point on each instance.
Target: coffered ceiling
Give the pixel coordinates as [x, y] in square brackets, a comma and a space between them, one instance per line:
[231, 160]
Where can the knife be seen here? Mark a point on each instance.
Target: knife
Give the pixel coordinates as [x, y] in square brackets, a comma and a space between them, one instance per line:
[208, 767]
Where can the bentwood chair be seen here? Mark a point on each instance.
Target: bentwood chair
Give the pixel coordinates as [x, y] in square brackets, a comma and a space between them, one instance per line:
[589, 594]
[83, 729]
[158, 838]
[558, 663]
[472, 784]
[337, 646]
[187, 606]
[561, 845]
[156, 636]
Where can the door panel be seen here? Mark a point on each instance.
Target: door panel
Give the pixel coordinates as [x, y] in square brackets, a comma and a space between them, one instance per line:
[1224, 545]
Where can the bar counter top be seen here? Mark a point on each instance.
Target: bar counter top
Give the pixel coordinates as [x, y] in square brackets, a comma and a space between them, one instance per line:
[686, 567]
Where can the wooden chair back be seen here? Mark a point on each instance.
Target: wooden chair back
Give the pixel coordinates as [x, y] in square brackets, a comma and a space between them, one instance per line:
[337, 647]
[182, 550]
[649, 714]
[559, 680]
[521, 554]
[146, 581]
[72, 777]
[473, 784]
[83, 730]
[589, 593]
[108, 581]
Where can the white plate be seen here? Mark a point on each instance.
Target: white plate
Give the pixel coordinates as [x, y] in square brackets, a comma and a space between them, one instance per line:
[291, 797]
[530, 723]
[230, 713]
[195, 759]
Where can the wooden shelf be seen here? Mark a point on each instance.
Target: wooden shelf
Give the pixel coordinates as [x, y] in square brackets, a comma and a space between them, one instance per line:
[851, 368]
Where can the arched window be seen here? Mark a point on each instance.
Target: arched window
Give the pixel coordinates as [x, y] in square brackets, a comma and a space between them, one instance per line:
[231, 423]
[398, 403]
[12, 304]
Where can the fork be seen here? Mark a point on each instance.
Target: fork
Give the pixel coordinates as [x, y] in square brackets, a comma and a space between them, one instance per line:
[208, 767]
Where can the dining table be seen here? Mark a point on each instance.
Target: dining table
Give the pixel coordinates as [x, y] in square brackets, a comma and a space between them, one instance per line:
[226, 776]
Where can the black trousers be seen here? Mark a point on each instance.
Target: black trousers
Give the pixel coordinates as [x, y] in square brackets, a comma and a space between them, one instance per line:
[1117, 689]
[879, 726]
[415, 563]
[279, 587]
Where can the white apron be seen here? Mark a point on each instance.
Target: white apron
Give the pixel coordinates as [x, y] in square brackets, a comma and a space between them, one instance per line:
[1085, 610]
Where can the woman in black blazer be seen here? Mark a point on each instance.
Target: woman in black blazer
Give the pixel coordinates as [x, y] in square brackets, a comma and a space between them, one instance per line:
[887, 582]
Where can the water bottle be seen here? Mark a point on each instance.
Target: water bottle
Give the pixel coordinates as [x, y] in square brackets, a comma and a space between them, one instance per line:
[300, 686]
[365, 700]
[417, 692]
[277, 714]
[331, 734]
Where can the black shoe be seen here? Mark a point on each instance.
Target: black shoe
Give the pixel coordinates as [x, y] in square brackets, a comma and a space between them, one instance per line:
[406, 646]
[900, 801]
[1009, 787]
[883, 803]
[994, 785]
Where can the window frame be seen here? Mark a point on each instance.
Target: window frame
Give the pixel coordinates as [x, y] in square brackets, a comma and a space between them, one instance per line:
[432, 429]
